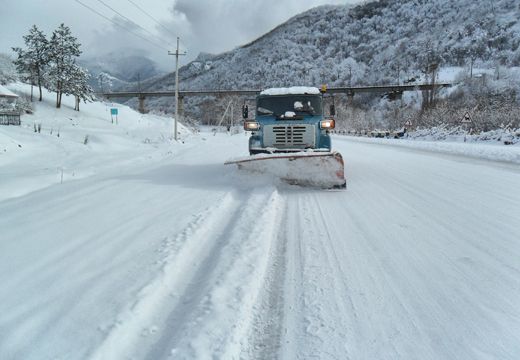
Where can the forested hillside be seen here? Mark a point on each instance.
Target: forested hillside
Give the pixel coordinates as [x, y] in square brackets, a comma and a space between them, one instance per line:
[378, 42]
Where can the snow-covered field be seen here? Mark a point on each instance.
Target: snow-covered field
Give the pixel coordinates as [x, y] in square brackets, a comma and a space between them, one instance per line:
[153, 250]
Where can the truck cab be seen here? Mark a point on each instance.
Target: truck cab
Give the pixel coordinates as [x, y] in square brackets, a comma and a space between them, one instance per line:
[289, 120]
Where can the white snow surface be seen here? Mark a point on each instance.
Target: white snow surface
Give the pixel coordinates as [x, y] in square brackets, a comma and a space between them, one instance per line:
[150, 249]
[6, 92]
[478, 150]
[296, 90]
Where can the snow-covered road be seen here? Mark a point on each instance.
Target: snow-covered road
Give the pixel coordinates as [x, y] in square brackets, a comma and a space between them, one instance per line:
[418, 259]
[189, 259]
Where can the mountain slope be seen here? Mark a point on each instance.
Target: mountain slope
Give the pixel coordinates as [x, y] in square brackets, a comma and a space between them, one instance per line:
[378, 42]
[125, 70]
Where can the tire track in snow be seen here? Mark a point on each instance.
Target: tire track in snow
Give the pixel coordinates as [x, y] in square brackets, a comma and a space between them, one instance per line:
[128, 334]
[293, 284]
[329, 306]
[224, 317]
[265, 335]
[211, 279]
[318, 305]
[187, 318]
[342, 291]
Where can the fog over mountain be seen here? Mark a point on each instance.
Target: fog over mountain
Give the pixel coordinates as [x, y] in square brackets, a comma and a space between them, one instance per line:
[125, 69]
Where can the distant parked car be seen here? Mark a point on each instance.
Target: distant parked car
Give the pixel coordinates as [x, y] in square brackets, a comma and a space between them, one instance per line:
[379, 133]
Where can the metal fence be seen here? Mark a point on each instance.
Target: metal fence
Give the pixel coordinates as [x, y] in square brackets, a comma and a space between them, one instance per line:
[9, 118]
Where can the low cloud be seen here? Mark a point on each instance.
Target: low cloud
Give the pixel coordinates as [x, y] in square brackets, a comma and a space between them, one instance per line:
[221, 25]
[212, 26]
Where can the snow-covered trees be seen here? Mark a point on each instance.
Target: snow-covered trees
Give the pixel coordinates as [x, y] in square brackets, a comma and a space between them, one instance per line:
[77, 85]
[52, 63]
[385, 39]
[8, 72]
[32, 60]
[63, 50]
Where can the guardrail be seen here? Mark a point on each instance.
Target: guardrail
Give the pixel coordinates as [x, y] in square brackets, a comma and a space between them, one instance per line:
[10, 118]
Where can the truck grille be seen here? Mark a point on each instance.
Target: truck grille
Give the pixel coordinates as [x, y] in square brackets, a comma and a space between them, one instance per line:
[289, 136]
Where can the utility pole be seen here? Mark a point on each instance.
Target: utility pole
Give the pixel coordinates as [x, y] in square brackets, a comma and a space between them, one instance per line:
[176, 53]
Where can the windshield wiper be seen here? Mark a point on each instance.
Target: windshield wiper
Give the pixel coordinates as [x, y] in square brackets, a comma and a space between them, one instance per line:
[308, 111]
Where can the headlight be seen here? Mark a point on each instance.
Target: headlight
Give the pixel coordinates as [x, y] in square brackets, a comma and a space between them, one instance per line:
[328, 124]
[251, 125]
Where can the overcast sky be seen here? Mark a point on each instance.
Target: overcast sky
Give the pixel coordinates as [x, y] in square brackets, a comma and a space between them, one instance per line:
[210, 26]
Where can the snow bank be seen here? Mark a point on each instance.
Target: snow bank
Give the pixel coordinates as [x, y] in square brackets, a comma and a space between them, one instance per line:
[480, 150]
[296, 90]
[73, 145]
[458, 134]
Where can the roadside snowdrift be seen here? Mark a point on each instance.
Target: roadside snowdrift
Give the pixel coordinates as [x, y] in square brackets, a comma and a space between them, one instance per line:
[73, 145]
[487, 146]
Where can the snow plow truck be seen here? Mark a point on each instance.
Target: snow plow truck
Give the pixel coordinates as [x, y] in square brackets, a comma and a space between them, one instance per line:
[290, 138]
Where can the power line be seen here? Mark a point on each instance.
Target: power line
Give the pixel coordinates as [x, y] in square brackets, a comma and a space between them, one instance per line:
[151, 17]
[121, 26]
[131, 21]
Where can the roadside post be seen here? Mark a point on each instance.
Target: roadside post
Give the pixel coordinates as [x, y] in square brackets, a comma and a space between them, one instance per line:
[113, 114]
[177, 54]
[407, 125]
[466, 119]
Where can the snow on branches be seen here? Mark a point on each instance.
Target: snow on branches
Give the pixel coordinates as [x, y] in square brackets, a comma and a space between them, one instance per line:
[52, 63]
[33, 60]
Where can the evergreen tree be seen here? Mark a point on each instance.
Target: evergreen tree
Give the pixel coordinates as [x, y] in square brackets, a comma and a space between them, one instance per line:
[63, 50]
[77, 85]
[33, 60]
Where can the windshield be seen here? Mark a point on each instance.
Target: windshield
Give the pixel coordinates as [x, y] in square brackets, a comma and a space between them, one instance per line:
[297, 104]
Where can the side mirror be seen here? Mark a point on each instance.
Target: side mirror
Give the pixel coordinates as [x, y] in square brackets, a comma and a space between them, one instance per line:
[245, 111]
[332, 110]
